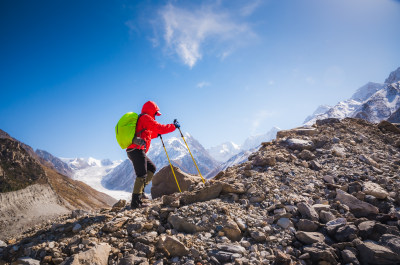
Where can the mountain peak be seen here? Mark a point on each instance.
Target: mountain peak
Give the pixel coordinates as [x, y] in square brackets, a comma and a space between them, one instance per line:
[393, 77]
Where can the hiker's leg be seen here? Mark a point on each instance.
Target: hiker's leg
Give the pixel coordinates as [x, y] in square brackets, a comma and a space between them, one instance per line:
[151, 169]
[138, 159]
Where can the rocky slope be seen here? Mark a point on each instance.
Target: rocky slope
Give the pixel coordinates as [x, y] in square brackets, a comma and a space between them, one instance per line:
[31, 192]
[328, 194]
[60, 166]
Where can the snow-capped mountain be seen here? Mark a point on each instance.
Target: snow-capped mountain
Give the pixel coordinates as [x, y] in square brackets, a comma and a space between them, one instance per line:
[91, 171]
[249, 146]
[224, 151]
[395, 117]
[373, 102]
[123, 176]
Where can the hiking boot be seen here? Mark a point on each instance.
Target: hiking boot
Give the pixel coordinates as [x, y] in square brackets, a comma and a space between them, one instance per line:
[136, 202]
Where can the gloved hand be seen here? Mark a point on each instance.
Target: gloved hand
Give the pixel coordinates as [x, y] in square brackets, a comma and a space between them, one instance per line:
[176, 123]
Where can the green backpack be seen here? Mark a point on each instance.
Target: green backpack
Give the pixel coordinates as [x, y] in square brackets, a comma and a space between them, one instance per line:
[125, 130]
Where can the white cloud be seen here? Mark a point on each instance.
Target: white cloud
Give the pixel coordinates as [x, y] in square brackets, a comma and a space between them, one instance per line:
[187, 31]
[203, 84]
[271, 82]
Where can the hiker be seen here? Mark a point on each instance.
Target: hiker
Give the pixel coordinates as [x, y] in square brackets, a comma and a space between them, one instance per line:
[146, 129]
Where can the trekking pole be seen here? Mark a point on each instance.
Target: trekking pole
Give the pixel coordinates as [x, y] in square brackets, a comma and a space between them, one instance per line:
[165, 149]
[191, 156]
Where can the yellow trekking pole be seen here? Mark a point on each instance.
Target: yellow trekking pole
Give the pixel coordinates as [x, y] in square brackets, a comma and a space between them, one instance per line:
[165, 149]
[191, 155]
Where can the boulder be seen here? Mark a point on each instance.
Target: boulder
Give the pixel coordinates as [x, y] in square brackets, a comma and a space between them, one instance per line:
[307, 225]
[181, 225]
[97, 255]
[321, 252]
[207, 193]
[326, 216]
[164, 182]
[299, 144]
[391, 241]
[232, 230]
[371, 188]
[264, 160]
[346, 233]
[372, 253]
[307, 211]
[310, 237]
[386, 126]
[173, 246]
[357, 207]
[349, 256]
[118, 205]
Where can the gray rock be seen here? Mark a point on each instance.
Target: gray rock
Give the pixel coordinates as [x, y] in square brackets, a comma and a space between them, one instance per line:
[346, 233]
[371, 188]
[97, 255]
[232, 248]
[258, 236]
[349, 257]
[326, 216]
[163, 182]
[299, 144]
[205, 194]
[310, 237]
[284, 223]
[372, 253]
[307, 225]
[77, 227]
[173, 246]
[306, 155]
[307, 211]
[232, 230]
[366, 229]
[149, 250]
[131, 259]
[26, 261]
[391, 241]
[357, 207]
[180, 224]
[320, 253]
[2, 244]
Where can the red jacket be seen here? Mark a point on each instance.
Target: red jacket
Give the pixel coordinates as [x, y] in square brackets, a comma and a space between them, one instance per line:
[152, 128]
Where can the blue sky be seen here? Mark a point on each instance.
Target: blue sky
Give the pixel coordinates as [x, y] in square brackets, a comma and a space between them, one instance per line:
[225, 69]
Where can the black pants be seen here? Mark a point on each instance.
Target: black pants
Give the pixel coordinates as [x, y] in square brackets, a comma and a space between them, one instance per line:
[141, 162]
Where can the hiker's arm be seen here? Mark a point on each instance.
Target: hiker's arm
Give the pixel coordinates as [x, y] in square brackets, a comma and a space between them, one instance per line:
[158, 128]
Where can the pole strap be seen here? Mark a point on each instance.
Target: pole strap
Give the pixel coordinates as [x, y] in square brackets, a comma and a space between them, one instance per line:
[173, 172]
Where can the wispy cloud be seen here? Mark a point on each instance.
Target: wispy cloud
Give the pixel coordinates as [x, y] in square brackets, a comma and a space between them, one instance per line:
[186, 32]
[203, 84]
[251, 6]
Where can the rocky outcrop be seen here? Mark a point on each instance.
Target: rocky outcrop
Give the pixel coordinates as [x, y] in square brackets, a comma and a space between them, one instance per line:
[31, 193]
[164, 182]
[339, 203]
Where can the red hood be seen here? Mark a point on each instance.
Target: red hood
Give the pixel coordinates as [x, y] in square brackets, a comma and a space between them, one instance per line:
[150, 108]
